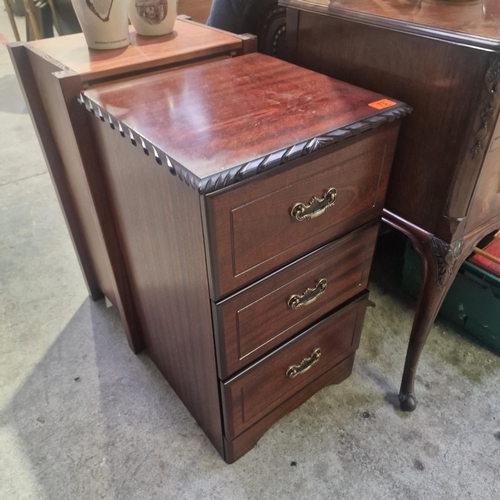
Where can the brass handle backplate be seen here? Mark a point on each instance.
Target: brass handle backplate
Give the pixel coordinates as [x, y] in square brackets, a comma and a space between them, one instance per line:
[309, 295]
[304, 365]
[316, 206]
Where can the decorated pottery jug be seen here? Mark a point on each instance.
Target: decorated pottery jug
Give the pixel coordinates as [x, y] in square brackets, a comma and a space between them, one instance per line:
[153, 17]
[104, 22]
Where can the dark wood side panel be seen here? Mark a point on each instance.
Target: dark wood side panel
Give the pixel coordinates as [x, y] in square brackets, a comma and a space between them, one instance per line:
[74, 184]
[486, 201]
[446, 92]
[264, 386]
[87, 163]
[159, 224]
[474, 149]
[237, 447]
[252, 231]
[292, 31]
[470, 22]
[59, 124]
[258, 319]
[50, 120]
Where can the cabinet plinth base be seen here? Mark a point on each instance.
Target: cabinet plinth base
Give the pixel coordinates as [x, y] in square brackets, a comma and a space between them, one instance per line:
[242, 444]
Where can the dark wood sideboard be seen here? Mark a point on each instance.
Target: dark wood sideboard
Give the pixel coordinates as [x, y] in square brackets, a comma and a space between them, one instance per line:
[246, 196]
[443, 58]
[52, 73]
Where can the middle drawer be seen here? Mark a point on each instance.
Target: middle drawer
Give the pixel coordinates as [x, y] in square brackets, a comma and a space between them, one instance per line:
[252, 322]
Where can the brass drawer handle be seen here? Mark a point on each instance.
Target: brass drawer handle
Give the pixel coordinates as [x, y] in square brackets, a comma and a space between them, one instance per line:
[304, 365]
[309, 295]
[316, 206]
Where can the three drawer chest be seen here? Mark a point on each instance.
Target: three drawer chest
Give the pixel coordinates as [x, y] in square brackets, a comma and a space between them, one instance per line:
[246, 195]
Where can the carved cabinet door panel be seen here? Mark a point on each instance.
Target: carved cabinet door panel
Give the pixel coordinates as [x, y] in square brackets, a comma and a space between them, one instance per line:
[486, 200]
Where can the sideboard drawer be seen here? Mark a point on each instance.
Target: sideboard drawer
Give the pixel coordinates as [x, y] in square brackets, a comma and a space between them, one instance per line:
[259, 318]
[252, 228]
[254, 393]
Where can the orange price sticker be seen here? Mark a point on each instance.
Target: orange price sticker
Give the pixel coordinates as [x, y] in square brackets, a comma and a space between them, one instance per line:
[382, 104]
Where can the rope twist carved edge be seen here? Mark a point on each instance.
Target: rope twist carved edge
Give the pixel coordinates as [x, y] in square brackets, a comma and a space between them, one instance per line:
[254, 167]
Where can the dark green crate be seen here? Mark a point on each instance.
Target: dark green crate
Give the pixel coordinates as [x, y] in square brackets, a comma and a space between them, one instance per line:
[472, 303]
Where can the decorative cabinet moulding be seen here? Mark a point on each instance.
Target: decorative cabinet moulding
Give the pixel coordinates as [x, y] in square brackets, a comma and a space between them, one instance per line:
[492, 81]
[241, 172]
[446, 257]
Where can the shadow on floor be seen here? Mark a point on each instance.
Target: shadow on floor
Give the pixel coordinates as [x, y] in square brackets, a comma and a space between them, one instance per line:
[80, 415]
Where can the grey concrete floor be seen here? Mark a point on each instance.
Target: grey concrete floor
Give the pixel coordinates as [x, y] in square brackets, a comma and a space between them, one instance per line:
[81, 417]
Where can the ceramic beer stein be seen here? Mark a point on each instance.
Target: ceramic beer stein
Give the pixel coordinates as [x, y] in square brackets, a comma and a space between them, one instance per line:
[104, 22]
[153, 17]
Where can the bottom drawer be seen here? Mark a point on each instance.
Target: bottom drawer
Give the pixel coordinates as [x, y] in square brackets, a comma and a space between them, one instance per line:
[265, 385]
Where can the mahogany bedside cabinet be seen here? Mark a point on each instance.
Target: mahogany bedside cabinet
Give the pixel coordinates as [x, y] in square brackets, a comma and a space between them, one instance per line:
[247, 196]
[442, 58]
[52, 73]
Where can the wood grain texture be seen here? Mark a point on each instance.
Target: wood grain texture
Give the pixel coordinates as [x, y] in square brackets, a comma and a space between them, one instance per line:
[434, 169]
[188, 41]
[160, 230]
[237, 113]
[237, 447]
[261, 388]
[51, 91]
[359, 170]
[478, 22]
[445, 187]
[98, 203]
[49, 118]
[258, 319]
[197, 10]
[53, 104]
[472, 162]
[486, 199]
[147, 234]
[292, 33]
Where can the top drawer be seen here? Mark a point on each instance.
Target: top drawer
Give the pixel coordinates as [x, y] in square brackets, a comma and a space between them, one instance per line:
[251, 227]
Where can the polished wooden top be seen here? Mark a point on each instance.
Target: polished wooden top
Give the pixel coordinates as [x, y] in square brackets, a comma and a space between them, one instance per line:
[188, 40]
[441, 18]
[213, 117]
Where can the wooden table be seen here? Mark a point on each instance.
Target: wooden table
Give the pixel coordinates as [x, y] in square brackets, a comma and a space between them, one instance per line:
[52, 74]
[197, 10]
[247, 202]
[444, 60]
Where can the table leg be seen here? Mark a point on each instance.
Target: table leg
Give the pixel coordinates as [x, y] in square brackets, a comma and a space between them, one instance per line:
[441, 262]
